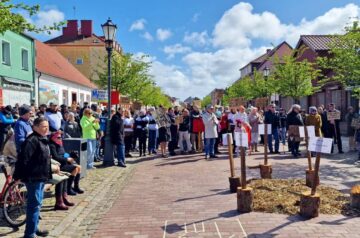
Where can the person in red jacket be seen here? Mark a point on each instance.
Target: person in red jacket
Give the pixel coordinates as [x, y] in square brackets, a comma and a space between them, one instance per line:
[197, 128]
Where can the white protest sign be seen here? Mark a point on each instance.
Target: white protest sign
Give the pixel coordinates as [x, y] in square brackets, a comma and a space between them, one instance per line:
[302, 131]
[321, 145]
[262, 129]
[225, 139]
[241, 139]
[311, 131]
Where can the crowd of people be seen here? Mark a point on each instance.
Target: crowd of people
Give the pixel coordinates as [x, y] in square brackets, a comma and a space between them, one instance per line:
[34, 138]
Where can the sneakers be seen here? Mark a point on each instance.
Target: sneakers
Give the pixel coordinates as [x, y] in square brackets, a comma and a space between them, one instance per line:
[42, 233]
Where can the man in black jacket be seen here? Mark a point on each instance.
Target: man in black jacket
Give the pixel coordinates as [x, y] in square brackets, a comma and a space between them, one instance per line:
[272, 117]
[333, 129]
[33, 167]
[117, 136]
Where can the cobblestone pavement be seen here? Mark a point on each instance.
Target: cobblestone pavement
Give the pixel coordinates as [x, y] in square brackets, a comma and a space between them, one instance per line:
[186, 196]
[102, 187]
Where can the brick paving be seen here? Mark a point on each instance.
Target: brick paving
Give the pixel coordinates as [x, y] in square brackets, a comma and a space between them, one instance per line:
[186, 196]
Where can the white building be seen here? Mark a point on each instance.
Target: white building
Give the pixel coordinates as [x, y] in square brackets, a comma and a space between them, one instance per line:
[57, 80]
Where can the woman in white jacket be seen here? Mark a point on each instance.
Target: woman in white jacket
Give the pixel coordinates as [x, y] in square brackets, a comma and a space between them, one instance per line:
[210, 122]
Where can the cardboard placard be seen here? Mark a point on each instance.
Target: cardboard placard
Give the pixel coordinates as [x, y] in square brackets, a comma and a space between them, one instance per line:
[334, 115]
[237, 102]
[179, 119]
[261, 102]
[320, 144]
[225, 139]
[355, 123]
[262, 129]
[241, 139]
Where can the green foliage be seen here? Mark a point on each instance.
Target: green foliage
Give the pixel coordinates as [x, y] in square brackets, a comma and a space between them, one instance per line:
[345, 58]
[14, 21]
[241, 88]
[262, 86]
[206, 101]
[130, 76]
[294, 78]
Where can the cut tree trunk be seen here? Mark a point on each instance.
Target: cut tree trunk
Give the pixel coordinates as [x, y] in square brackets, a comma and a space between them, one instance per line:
[265, 171]
[245, 199]
[234, 184]
[309, 205]
[355, 196]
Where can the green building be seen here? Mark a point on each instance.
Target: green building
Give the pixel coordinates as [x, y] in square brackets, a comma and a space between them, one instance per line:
[17, 69]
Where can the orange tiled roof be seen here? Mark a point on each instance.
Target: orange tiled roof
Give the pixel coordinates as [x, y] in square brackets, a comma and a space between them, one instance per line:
[50, 61]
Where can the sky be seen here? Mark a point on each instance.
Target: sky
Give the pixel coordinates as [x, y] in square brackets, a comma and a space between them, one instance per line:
[196, 46]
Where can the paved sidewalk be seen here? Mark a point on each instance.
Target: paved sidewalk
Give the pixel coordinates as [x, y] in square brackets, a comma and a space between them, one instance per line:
[102, 187]
[186, 196]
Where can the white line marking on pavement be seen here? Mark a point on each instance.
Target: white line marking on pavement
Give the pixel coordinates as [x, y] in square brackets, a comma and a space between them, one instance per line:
[242, 228]
[232, 236]
[195, 228]
[164, 236]
[217, 229]
[185, 228]
[203, 227]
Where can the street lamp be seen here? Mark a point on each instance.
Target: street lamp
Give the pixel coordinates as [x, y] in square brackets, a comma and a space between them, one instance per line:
[109, 30]
[266, 72]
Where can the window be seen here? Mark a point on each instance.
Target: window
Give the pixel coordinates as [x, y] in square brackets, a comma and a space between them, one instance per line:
[65, 97]
[5, 52]
[79, 61]
[25, 59]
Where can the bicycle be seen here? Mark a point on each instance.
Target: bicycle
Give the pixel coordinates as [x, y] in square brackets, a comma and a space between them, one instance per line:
[13, 196]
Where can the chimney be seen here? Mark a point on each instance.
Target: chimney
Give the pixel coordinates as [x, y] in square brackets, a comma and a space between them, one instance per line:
[86, 28]
[71, 30]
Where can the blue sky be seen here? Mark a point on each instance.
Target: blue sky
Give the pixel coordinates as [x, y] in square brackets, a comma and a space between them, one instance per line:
[199, 45]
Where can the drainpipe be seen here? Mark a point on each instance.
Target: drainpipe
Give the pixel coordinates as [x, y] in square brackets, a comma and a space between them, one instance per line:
[38, 88]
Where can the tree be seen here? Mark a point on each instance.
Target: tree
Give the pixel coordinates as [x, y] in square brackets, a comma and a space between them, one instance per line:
[130, 76]
[262, 86]
[12, 18]
[344, 58]
[206, 101]
[294, 78]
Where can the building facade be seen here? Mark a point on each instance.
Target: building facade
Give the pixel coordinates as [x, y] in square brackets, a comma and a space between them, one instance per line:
[82, 48]
[57, 80]
[17, 68]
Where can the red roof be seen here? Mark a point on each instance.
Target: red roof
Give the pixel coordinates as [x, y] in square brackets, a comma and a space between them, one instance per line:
[50, 61]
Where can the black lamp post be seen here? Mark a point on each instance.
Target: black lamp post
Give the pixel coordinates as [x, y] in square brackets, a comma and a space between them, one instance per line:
[266, 73]
[109, 30]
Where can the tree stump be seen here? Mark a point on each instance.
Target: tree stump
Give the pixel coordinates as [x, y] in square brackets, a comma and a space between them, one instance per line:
[309, 205]
[265, 171]
[234, 183]
[245, 199]
[355, 196]
[310, 178]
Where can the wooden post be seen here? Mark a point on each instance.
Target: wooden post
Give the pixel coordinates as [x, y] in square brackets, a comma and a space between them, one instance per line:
[307, 148]
[316, 173]
[243, 167]
[265, 145]
[245, 195]
[233, 180]
[355, 196]
[309, 173]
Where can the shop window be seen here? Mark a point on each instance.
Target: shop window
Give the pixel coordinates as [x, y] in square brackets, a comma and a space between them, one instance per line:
[25, 59]
[79, 61]
[5, 46]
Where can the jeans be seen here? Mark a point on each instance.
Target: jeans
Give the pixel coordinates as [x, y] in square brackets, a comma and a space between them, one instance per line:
[152, 141]
[121, 154]
[275, 135]
[35, 195]
[283, 135]
[91, 149]
[209, 146]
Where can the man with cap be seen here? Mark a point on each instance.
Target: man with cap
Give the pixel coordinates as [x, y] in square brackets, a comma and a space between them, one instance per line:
[210, 122]
[22, 126]
[42, 110]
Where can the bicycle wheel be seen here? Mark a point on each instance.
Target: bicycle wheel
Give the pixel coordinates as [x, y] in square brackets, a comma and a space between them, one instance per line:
[15, 204]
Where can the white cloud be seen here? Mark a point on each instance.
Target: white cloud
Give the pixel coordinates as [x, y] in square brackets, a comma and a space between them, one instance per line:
[163, 34]
[197, 38]
[232, 39]
[47, 17]
[172, 50]
[138, 25]
[147, 36]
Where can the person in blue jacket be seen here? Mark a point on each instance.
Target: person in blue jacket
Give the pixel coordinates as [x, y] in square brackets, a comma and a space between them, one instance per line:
[6, 121]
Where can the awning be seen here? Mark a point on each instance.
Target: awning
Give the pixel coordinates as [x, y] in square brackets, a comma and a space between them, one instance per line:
[17, 81]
